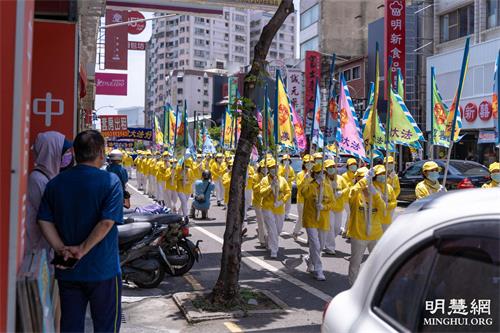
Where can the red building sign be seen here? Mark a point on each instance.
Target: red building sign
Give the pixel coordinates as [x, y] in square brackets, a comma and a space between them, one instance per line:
[312, 74]
[395, 34]
[114, 126]
[136, 28]
[470, 112]
[485, 111]
[136, 46]
[116, 45]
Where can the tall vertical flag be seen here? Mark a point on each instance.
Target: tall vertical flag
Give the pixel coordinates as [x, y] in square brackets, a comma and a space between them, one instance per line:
[349, 137]
[158, 132]
[454, 121]
[228, 121]
[369, 134]
[496, 94]
[300, 136]
[379, 136]
[316, 133]
[403, 130]
[439, 114]
[331, 121]
[169, 125]
[284, 116]
[180, 134]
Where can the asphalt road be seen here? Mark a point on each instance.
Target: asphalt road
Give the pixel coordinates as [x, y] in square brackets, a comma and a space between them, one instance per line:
[154, 310]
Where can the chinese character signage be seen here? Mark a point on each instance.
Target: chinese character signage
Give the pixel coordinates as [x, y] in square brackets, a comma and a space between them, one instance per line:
[136, 46]
[116, 45]
[111, 84]
[138, 133]
[114, 126]
[120, 144]
[295, 86]
[395, 32]
[312, 73]
[136, 28]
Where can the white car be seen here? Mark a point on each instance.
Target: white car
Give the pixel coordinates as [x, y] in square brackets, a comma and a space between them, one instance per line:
[436, 269]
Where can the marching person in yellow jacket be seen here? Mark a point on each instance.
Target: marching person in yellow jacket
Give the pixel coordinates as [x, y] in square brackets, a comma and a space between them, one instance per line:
[275, 192]
[248, 192]
[185, 178]
[393, 179]
[257, 202]
[307, 164]
[218, 168]
[138, 171]
[349, 177]
[171, 186]
[389, 199]
[430, 184]
[340, 191]
[286, 171]
[363, 231]
[127, 163]
[226, 182]
[156, 188]
[495, 176]
[151, 178]
[317, 219]
[160, 183]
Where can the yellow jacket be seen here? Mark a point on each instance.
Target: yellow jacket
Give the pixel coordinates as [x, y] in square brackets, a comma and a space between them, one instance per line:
[289, 176]
[160, 165]
[359, 202]
[250, 175]
[310, 193]
[386, 217]
[218, 171]
[138, 164]
[268, 197]
[393, 180]
[185, 179]
[127, 160]
[349, 177]
[198, 169]
[226, 182]
[491, 184]
[150, 166]
[301, 176]
[256, 197]
[170, 181]
[426, 188]
[340, 194]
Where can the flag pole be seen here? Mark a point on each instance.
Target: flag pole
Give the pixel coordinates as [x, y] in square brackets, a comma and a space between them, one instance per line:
[388, 125]
[457, 108]
[498, 103]
[431, 144]
[276, 129]
[266, 123]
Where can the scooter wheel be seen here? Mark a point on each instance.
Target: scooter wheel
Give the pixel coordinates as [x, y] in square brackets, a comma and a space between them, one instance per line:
[156, 278]
[180, 270]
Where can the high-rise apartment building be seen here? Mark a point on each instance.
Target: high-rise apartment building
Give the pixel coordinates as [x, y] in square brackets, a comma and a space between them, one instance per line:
[283, 45]
[193, 44]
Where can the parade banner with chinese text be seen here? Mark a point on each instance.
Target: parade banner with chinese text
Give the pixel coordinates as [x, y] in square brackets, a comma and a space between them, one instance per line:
[114, 126]
[312, 75]
[139, 133]
[395, 35]
[294, 87]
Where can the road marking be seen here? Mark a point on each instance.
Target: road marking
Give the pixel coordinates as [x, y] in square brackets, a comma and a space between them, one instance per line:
[300, 239]
[193, 282]
[232, 327]
[246, 257]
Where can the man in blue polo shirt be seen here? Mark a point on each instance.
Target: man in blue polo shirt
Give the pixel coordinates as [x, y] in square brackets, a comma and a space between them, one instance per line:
[78, 215]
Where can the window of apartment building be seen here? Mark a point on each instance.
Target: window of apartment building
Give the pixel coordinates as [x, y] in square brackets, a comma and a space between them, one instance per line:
[282, 36]
[347, 75]
[239, 28]
[199, 42]
[162, 76]
[160, 87]
[310, 44]
[239, 18]
[199, 53]
[182, 18]
[205, 80]
[181, 51]
[205, 104]
[273, 54]
[181, 40]
[199, 31]
[238, 38]
[226, 16]
[181, 62]
[356, 73]
[492, 13]
[239, 59]
[182, 29]
[239, 49]
[309, 17]
[458, 23]
[162, 45]
[205, 92]
[199, 64]
[179, 91]
[199, 20]
[161, 66]
[226, 36]
[180, 79]
[219, 65]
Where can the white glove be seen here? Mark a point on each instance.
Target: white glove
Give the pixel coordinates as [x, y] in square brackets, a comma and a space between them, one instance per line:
[372, 189]
[338, 193]
[319, 206]
[441, 188]
[385, 197]
[278, 204]
[369, 175]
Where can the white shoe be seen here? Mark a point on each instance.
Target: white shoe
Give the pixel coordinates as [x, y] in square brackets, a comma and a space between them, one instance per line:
[274, 255]
[310, 267]
[319, 276]
[330, 252]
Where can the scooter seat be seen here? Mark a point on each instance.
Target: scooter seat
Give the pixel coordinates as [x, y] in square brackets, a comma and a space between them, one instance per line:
[154, 218]
[133, 231]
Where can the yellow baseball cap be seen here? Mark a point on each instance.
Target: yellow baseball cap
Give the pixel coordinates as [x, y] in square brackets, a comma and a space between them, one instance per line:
[389, 159]
[219, 155]
[306, 158]
[379, 169]
[494, 167]
[317, 156]
[430, 166]
[329, 164]
[271, 163]
[361, 172]
[285, 157]
[351, 161]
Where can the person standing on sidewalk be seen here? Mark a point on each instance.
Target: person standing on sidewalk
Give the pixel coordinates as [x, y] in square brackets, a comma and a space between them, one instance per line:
[78, 215]
[317, 219]
[305, 174]
[275, 192]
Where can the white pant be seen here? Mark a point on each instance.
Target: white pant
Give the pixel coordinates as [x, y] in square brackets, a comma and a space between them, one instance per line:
[219, 190]
[260, 225]
[248, 202]
[140, 182]
[358, 248]
[288, 206]
[316, 238]
[171, 199]
[151, 185]
[335, 224]
[345, 216]
[298, 223]
[274, 225]
[129, 171]
[184, 203]
[160, 189]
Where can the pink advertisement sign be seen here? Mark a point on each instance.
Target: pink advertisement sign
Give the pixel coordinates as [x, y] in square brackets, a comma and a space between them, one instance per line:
[111, 84]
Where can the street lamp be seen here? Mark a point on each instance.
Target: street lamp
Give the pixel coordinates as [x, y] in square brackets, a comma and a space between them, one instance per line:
[95, 116]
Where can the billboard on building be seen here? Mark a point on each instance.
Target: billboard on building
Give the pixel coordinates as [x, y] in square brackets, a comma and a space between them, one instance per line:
[116, 44]
[313, 73]
[111, 84]
[395, 36]
[114, 126]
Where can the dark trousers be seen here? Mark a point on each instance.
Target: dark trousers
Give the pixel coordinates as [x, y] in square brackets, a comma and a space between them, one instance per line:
[105, 304]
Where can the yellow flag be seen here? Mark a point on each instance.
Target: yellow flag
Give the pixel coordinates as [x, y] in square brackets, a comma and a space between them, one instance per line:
[285, 128]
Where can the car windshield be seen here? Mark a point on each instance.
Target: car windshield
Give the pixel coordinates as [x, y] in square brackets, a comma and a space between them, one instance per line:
[467, 168]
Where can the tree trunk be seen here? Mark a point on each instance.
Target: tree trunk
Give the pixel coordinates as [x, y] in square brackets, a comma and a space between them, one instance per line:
[226, 290]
